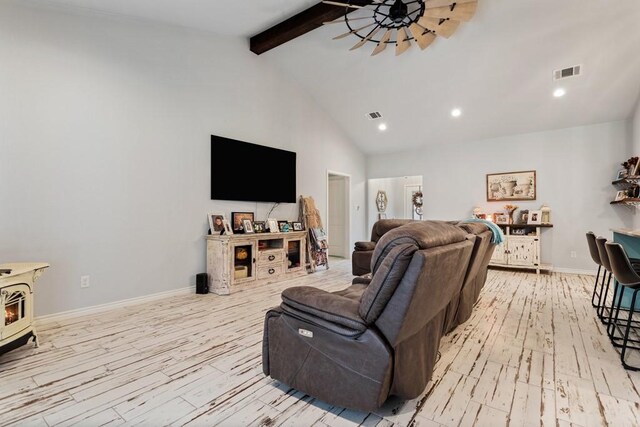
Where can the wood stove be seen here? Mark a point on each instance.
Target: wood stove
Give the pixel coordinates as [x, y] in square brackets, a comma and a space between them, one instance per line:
[16, 304]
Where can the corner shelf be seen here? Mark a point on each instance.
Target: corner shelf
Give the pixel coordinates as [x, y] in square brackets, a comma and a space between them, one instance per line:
[625, 184]
[628, 201]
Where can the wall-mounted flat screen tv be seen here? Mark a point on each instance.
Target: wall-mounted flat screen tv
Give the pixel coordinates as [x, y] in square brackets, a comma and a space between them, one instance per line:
[253, 173]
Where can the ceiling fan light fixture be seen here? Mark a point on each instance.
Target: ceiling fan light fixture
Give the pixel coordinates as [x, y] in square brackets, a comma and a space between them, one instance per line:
[398, 22]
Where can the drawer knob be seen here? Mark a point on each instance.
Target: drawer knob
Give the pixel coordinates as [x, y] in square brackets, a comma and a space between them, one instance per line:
[272, 257]
[271, 271]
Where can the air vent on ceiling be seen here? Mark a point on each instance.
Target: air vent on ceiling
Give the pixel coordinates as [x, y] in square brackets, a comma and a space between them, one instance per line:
[565, 73]
[374, 116]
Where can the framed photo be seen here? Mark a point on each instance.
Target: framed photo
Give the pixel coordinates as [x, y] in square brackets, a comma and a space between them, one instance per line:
[247, 225]
[535, 217]
[621, 195]
[297, 226]
[284, 226]
[227, 227]
[273, 226]
[382, 215]
[215, 222]
[501, 218]
[237, 219]
[511, 186]
[622, 173]
[523, 216]
[259, 226]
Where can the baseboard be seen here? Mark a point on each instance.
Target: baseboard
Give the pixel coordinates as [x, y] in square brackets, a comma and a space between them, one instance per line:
[575, 271]
[110, 306]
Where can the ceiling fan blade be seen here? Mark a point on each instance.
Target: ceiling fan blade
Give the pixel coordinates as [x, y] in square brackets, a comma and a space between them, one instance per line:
[354, 31]
[366, 39]
[460, 12]
[382, 44]
[341, 20]
[444, 29]
[429, 4]
[337, 3]
[423, 39]
[402, 43]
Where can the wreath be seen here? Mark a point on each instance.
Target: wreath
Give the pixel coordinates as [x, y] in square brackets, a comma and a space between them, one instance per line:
[417, 202]
[417, 199]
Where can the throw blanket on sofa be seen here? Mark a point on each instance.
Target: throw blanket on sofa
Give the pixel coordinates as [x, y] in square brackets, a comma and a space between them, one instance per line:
[498, 236]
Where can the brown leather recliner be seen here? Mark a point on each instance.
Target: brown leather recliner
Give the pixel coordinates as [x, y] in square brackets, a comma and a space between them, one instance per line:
[356, 347]
[461, 307]
[363, 251]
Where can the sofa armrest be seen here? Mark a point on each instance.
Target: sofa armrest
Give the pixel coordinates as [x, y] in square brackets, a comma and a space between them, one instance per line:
[365, 246]
[362, 280]
[325, 306]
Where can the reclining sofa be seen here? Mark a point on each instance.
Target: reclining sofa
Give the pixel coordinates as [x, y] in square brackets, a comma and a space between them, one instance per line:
[363, 251]
[379, 337]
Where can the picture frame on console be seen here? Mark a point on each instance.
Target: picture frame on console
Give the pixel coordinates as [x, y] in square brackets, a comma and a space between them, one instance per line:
[216, 222]
[237, 219]
[501, 218]
[247, 225]
[259, 226]
[284, 226]
[535, 217]
[273, 225]
[227, 227]
[297, 226]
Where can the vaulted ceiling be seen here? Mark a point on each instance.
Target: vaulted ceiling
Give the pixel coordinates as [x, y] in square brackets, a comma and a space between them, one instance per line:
[496, 68]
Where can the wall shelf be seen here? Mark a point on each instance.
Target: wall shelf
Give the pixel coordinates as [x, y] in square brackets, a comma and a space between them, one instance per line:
[628, 201]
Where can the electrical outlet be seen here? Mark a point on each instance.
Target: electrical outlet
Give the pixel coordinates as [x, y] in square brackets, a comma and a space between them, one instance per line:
[574, 254]
[84, 282]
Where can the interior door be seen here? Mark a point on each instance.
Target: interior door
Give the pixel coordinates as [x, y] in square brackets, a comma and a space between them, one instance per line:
[337, 216]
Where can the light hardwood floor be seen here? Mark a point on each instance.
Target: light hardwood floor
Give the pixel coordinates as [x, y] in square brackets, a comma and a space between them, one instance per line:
[532, 354]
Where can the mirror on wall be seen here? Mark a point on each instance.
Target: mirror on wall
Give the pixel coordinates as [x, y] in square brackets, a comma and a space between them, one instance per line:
[397, 197]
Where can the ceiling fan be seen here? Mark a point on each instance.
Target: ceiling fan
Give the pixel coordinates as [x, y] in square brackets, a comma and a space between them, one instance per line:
[401, 21]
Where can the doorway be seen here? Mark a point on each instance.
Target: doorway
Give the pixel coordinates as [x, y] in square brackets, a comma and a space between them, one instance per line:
[339, 215]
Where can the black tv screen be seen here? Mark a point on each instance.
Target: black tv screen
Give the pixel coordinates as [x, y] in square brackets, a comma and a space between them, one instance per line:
[250, 172]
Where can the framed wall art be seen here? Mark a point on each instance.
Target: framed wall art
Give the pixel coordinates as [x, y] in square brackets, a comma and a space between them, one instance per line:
[511, 186]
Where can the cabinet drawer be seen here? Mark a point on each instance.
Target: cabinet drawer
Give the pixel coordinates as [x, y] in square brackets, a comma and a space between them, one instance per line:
[269, 271]
[270, 256]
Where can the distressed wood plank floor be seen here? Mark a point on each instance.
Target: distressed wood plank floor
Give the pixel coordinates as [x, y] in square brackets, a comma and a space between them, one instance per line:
[533, 354]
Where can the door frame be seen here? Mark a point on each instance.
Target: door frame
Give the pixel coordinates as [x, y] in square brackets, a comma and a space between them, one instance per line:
[347, 206]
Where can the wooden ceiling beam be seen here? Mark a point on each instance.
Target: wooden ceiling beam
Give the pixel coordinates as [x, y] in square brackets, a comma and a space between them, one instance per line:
[302, 23]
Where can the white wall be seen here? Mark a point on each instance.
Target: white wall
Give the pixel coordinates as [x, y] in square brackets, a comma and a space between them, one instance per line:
[105, 128]
[574, 167]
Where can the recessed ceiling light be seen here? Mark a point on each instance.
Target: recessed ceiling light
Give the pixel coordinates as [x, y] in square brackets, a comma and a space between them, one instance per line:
[456, 112]
[559, 93]
[382, 126]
